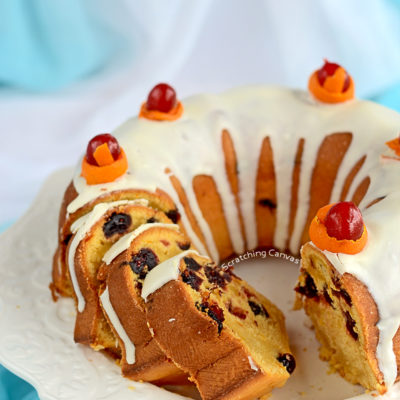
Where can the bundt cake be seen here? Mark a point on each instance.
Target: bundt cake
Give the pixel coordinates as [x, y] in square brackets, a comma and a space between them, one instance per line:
[249, 169]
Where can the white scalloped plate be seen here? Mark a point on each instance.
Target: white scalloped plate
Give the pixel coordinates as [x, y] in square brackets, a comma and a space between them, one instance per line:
[36, 333]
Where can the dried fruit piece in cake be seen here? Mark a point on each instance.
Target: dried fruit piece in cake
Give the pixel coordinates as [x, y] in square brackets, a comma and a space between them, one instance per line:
[129, 263]
[344, 315]
[97, 232]
[230, 339]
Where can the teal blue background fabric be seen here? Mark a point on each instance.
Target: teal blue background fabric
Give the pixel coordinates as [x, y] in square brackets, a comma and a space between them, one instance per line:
[50, 44]
[390, 97]
[12, 387]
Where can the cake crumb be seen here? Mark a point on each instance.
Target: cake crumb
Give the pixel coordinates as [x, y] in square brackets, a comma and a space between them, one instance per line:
[130, 387]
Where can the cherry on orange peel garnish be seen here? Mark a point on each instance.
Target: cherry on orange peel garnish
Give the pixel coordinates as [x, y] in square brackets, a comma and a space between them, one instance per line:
[394, 145]
[331, 84]
[105, 160]
[161, 104]
[339, 228]
[95, 144]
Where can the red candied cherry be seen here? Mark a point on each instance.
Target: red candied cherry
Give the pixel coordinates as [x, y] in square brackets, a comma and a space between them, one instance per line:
[97, 141]
[161, 98]
[344, 221]
[328, 70]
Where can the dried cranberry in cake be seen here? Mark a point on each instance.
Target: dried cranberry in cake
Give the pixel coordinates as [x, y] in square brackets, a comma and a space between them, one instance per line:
[99, 140]
[308, 289]
[236, 311]
[192, 279]
[258, 309]
[217, 314]
[344, 295]
[217, 276]
[116, 223]
[327, 297]
[184, 245]
[192, 264]
[143, 262]
[344, 221]
[288, 361]
[350, 324]
[173, 215]
[267, 203]
[329, 69]
[214, 312]
[161, 98]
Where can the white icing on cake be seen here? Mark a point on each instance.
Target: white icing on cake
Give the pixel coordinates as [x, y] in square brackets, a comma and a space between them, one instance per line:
[253, 365]
[163, 273]
[191, 146]
[116, 323]
[125, 241]
[80, 228]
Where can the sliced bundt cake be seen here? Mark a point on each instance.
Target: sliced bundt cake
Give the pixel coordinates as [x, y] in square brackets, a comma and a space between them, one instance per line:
[70, 213]
[344, 316]
[129, 261]
[230, 339]
[96, 233]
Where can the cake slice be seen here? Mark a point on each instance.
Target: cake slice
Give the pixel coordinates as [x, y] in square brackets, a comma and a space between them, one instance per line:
[230, 339]
[93, 237]
[71, 212]
[126, 265]
[344, 316]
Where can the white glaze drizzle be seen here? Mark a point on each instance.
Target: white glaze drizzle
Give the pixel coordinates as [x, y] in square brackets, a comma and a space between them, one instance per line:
[116, 323]
[125, 241]
[253, 365]
[80, 228]
[191, 146]
[163, 273]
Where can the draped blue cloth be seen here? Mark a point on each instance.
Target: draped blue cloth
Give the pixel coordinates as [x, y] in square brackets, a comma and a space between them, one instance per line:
[14, 388]
[46, 45]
